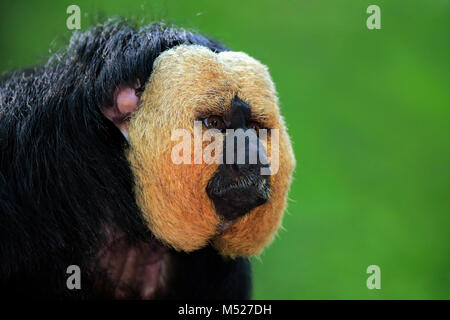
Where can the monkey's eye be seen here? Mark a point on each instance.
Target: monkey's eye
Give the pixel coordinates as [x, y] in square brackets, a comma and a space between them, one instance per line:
[214, 122]
[254, 125]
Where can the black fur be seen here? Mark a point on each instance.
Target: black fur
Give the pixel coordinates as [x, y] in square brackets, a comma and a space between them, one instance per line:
[63, 173]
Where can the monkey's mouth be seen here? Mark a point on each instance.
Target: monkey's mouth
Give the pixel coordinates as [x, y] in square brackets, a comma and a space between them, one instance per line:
[233, 197]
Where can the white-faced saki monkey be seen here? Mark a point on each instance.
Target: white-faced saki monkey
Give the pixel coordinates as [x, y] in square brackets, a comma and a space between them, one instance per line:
[88, 179]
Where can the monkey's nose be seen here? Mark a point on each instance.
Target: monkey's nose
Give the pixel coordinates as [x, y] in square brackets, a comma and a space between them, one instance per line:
[242, 170]
[247, 151]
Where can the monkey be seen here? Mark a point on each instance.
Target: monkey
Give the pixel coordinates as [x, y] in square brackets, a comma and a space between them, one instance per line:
[87, 178]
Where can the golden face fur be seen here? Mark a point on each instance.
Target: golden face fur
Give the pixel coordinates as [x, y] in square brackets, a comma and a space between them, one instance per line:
[186, 80]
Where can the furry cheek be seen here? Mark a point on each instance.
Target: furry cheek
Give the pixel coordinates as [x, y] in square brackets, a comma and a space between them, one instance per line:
[172, 198]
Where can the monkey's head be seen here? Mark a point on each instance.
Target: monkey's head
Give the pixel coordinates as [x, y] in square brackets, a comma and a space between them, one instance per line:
[199, 106]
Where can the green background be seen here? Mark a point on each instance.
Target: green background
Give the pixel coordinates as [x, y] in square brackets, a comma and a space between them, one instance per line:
[368, 113]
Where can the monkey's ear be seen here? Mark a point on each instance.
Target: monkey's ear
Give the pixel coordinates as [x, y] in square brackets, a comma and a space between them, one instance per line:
[126, 101]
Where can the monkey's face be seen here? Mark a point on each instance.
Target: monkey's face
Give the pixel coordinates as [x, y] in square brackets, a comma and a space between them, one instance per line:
[205, 171]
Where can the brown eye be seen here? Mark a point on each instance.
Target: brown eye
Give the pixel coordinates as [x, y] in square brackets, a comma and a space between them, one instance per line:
[213, 122]
[254, 125]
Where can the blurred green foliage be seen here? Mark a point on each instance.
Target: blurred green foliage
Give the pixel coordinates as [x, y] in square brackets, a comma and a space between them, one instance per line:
[368, 113]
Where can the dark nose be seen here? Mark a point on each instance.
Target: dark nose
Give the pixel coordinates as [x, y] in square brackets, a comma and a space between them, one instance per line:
[243, 149]
[238, 187]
